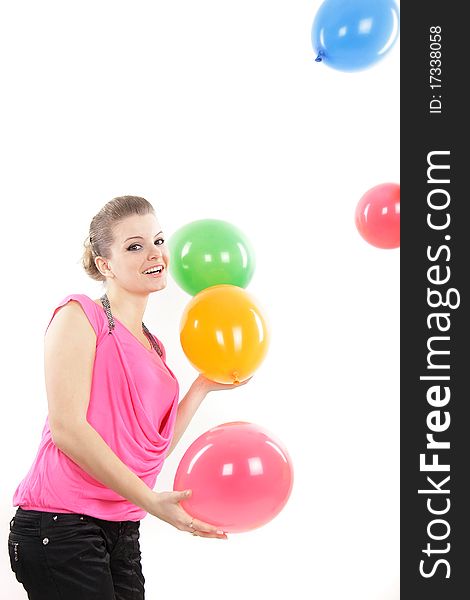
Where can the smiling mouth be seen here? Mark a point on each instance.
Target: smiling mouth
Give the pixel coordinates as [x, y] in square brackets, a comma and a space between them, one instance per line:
[155, 271]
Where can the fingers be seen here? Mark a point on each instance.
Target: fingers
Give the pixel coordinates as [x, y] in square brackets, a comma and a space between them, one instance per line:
[210, 535]
[195, 526]
[221, 536]
[178, 496]
[244, 382]
[205, 530]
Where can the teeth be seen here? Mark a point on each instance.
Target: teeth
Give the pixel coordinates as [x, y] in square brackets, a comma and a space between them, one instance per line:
[154, 270]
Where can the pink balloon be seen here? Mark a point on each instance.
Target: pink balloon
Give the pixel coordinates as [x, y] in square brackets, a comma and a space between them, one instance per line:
[378, 216]
[240, 476]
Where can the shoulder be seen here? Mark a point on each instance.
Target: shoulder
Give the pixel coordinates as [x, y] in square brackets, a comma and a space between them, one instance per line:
[77, 310]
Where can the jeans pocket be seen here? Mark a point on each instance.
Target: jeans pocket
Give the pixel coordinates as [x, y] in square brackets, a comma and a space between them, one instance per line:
[64, 529]
[25, 527]
[14, 552]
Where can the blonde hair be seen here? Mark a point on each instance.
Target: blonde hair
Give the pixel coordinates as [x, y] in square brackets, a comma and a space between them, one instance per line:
[100, 238]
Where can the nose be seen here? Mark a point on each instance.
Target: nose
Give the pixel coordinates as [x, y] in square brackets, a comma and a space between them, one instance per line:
[156, 253]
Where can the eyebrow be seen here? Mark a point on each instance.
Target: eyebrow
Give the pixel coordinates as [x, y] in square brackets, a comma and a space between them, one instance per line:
[139, 237]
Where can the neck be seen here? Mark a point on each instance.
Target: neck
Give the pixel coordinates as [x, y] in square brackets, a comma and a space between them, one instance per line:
[128, 308]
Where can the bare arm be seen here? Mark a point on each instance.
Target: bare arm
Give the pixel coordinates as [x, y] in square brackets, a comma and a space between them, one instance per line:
[70, 345]
[187, 409]
[84, 445]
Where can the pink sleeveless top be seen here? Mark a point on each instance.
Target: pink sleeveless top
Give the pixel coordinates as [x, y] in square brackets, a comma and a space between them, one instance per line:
[133, 405]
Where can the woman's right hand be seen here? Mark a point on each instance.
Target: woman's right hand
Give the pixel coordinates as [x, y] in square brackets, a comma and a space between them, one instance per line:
[166, 506]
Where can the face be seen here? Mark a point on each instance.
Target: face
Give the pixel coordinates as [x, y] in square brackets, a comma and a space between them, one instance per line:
[138, 245]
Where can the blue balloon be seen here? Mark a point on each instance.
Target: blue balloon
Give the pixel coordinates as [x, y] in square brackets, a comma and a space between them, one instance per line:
[350, 35]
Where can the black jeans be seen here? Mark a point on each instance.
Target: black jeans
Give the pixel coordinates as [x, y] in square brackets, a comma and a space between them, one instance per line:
[57, 556]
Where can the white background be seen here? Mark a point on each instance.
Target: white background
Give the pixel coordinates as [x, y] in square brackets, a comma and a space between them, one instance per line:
[215, 109]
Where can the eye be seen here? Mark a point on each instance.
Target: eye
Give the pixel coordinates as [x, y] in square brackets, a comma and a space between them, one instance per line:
[159, 242]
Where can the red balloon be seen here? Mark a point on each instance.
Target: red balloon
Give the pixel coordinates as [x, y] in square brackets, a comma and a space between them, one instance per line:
[240, 476]
[378, 216]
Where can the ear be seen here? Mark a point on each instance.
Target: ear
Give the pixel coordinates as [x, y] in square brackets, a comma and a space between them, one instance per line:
[103, 266]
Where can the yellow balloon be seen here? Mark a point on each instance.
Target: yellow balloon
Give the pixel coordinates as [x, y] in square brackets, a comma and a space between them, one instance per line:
[224, 334]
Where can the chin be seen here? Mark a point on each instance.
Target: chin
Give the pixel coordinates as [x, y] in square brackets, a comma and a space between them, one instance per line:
[160, 284]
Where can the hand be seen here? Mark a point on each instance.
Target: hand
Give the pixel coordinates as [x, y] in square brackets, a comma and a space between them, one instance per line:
[166, 506]
[212, 386]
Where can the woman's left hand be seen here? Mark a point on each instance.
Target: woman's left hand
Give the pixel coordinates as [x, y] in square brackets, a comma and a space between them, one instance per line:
[213, 386]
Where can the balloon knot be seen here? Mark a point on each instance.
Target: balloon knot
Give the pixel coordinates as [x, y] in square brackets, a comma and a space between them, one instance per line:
[235, 377]
[320, 56]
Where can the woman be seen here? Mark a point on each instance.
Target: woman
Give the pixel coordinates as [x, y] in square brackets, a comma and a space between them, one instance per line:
[113, 417]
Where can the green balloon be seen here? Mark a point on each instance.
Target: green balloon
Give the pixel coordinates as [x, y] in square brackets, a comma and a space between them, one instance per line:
[210, 252]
